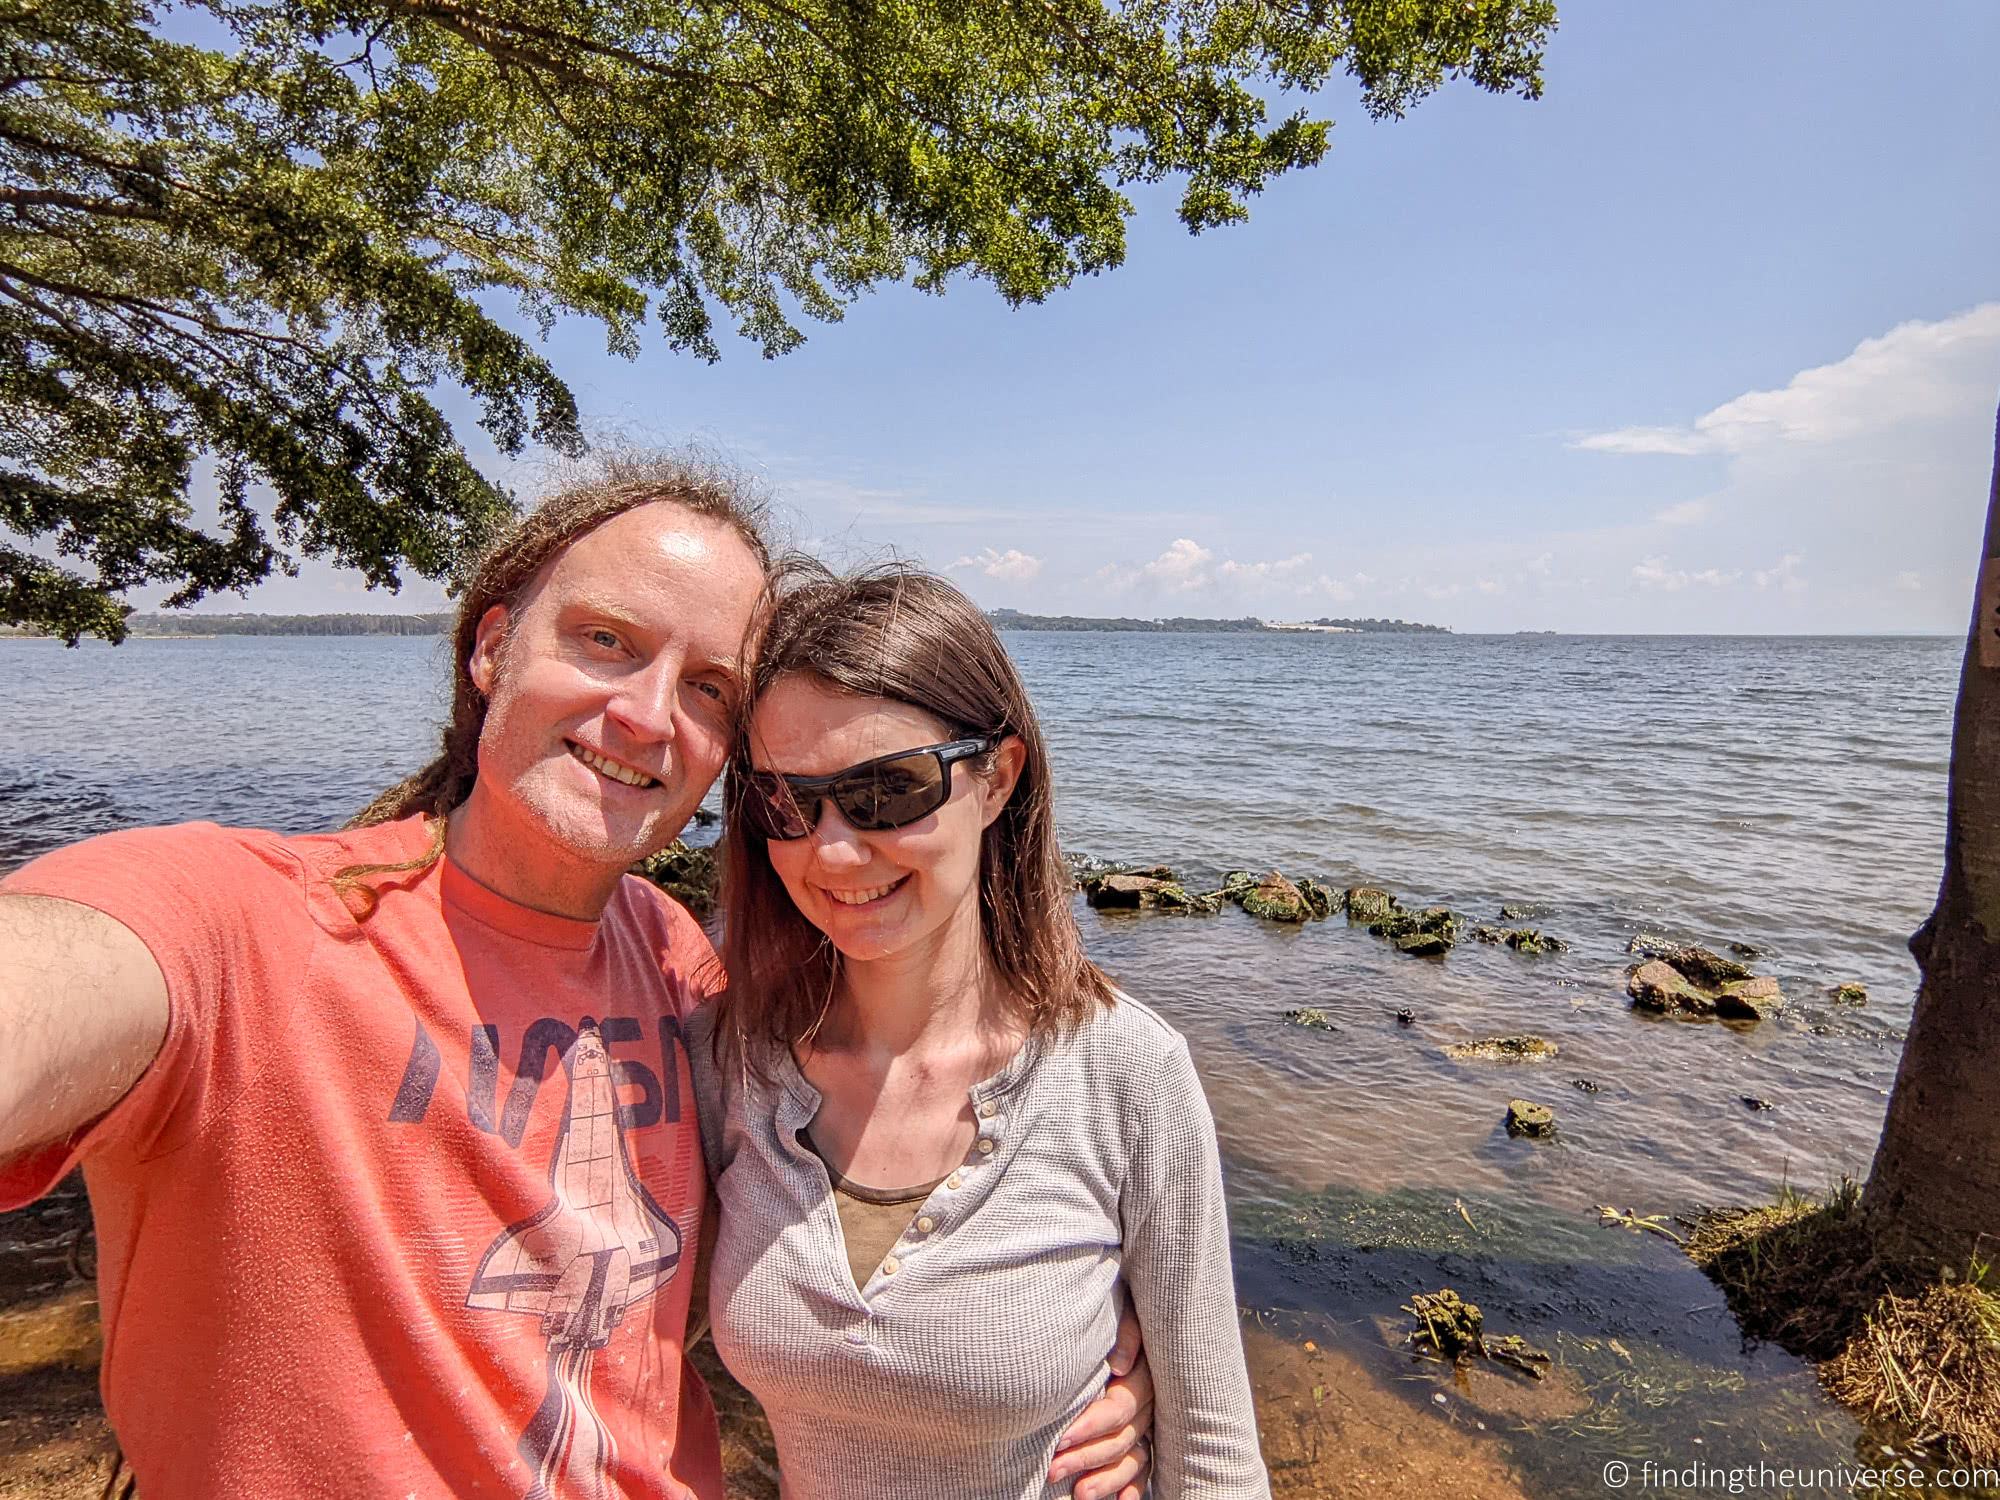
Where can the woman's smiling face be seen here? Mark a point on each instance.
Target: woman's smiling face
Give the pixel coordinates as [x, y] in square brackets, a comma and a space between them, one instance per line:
[876, 894]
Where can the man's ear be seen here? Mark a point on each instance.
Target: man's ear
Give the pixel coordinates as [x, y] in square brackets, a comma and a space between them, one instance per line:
[1010, 758]
[484, 663]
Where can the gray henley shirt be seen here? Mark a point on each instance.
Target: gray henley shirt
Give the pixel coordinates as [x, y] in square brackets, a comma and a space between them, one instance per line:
[984, 1331]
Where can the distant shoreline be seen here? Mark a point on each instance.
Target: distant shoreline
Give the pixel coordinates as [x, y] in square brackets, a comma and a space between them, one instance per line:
[1013, 619]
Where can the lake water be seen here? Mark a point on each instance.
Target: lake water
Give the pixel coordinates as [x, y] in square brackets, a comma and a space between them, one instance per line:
[1786, 793]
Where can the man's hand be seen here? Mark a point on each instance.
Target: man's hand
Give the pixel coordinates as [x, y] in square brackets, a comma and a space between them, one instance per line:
[1110, 1444]
[83, 1010]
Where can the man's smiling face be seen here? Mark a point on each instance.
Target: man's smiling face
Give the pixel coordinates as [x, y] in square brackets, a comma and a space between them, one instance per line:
[611, 688]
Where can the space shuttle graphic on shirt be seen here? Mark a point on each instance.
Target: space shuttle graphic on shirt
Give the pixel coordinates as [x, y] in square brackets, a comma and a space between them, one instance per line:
[600, 1246]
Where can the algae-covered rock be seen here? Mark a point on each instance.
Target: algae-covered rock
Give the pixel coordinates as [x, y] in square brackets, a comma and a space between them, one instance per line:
[1447, 1324]
[1144, 891]
[1527, 1118]
[1424, 934]
[1312, 1018]
[1746, 950]
[1756, 1105]
[1276, 899]
[1698, 964]
[1506, 1049]
[1755, 999]
[1365, 904]
[1321, 899]
[1521, 939]
[1658, 986]
[687, 873]
[1237, 884]
[1851, 993]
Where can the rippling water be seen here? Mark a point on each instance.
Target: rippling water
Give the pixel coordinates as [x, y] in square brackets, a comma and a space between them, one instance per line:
[1788, 793]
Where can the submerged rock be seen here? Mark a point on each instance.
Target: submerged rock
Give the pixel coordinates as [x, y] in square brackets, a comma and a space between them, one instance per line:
[1584, 1085]
[1755, 999]
[1145, 890]
[1695, 963]
[1662, 986]
[1321, 899]
[1448, 1325]
[1657, 985]
[687, 873]
[1365, 904]
[1506, 1049]
[1521, 939]
[1424, 934]
[1746, 950]
[1276, 899]
[1527, 1118]
[1752, 1102]
[1312, 1018]
[1406, 1018]
[1851, 993]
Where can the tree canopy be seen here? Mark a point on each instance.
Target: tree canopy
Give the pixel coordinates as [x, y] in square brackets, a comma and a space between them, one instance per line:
[256, 237]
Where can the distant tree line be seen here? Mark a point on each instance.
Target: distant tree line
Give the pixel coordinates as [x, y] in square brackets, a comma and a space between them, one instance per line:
[1388, 627]
[358, 624]
[1013, 619]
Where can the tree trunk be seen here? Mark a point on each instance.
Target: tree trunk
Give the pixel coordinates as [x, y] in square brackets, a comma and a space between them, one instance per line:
[1934, 1194]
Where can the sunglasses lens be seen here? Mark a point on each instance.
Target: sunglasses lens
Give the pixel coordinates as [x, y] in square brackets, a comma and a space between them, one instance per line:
[893, 793]
[772, 809]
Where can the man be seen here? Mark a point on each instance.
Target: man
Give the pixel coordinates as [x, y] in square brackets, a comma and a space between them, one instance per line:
[388, 1131]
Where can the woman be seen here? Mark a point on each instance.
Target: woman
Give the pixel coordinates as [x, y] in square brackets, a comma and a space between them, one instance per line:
[941, 1139]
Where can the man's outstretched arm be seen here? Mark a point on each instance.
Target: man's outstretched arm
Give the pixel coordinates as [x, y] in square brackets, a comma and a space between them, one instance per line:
[83, 1010]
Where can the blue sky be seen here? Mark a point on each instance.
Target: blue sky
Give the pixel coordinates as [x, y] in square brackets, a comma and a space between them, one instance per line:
[1707, 339]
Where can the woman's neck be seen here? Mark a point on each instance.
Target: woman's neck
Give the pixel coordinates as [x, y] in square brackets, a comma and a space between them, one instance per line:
[939, 999]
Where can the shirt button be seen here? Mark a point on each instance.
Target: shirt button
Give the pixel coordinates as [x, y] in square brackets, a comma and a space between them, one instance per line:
[985, 1146]
[889, 1266]
[926, 1224]
[988, 1110]
[952, 1181]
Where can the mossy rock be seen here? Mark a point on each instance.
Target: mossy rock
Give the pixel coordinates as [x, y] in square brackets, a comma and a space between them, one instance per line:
[1754, 999]
[1148, 891]
[1505, 1049]
[1521, 939]
[687, 873]
[1424, 934]
[1657, 985]
[1536, 1121]
[1276, 899]
[1312, 1018]
[1447, 1324]
[1695, 963]
[1321, 899]
[1237, 884]
[1851, 993]
[1367, 903]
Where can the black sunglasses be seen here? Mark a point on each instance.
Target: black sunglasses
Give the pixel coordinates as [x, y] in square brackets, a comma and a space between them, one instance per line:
[878, 794]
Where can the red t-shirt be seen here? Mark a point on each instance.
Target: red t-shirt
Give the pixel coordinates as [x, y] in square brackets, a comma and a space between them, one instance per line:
[406, 1206]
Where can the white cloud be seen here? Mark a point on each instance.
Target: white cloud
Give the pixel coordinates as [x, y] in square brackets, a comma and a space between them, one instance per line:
[1011, 566]
[1685, 513]
[1915, 371]
[1183, 567]
[1784, 576]
[1654, 573]
[1282, 568]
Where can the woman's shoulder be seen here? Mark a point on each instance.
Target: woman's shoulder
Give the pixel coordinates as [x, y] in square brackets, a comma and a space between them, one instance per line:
[1126, 1034]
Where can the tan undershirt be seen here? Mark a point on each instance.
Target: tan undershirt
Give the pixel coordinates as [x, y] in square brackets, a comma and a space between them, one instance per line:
[871, 1219]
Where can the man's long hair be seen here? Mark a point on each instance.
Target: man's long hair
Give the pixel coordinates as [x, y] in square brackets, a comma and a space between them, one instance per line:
[618, 483]
[896, 632]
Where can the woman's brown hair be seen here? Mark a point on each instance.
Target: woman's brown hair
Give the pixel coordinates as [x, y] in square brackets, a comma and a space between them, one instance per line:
[899, 633]
[616, 483]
